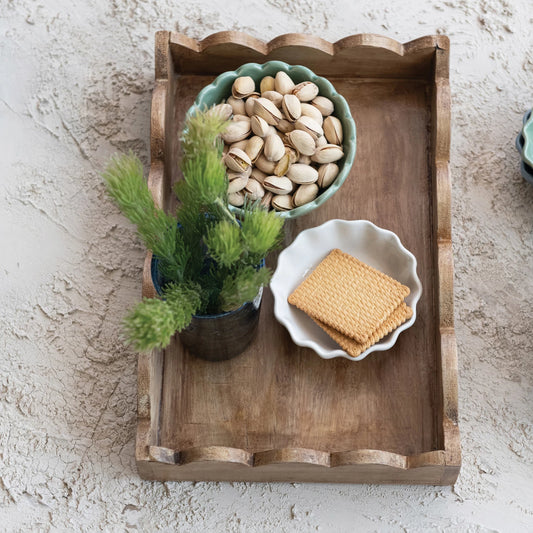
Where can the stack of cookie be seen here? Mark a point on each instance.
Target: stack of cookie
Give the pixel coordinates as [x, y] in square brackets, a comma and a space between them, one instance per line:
[355, 304]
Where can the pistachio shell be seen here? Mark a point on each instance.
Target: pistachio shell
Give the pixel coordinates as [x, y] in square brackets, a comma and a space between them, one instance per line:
[305, 91]
[266, 166]
[274, 149]
[283, 83]
[237, 104]
[237, 184]
[241, 118]
[327, 174]
[282, 202]
[324, 105]
[267, 199]
[308, 125]
[259, 126]
[304, 160]
[299, 173]
[291, 107]
[305, 194]
[309, 110]
[236, 199]
[254, 147]
[237, 160]
[274, 97]
[266, 109]
[224, 111]
[236, 131]
[254, 190]
[238, 144]
[321, 141]
[249, 104]
[327, 154]
[243, 87]
[283, 165]
[333, 130]
[232, 174]
[258, 175]
[278, 185]
[267, 84]
[302, 141]
[285, 125]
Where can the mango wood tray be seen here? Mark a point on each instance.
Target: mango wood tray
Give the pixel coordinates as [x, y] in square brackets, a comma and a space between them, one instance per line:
[279, 412]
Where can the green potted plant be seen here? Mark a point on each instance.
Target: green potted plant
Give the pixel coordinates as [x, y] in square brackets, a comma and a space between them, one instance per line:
[208, 267]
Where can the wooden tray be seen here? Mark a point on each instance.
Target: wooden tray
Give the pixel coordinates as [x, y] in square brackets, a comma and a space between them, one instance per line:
[279, 412]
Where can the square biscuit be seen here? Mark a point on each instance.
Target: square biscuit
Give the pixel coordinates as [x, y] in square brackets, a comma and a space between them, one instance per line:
[348, 295]
[402, 313]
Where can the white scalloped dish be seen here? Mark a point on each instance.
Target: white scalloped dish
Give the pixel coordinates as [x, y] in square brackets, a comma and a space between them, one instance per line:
[375, 246]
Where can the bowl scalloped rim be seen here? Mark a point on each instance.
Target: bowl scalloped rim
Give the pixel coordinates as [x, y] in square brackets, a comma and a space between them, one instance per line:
[389, 340]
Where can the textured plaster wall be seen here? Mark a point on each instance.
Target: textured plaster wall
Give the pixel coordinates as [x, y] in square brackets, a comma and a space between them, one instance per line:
[75, 82]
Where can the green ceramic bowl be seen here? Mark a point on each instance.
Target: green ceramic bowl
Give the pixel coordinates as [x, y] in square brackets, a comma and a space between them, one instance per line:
[220, 89]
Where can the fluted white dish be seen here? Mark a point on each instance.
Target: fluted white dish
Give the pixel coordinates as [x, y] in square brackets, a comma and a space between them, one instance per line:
[377, 247]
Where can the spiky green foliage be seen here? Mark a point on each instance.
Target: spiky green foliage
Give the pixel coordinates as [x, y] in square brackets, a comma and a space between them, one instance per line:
[208, 262]
[223, 242]
[153, 322]
[261, 232]
[242, 286]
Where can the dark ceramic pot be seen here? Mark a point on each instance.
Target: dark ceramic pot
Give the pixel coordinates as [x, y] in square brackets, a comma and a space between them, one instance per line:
[218, 337]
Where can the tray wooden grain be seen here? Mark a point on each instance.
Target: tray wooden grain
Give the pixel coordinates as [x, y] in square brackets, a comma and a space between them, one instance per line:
[279, 412]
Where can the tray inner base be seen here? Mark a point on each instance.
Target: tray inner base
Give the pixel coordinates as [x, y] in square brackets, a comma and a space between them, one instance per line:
[279, 395]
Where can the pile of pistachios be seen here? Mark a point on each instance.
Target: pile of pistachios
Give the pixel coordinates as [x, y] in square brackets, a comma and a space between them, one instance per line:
[282, 142]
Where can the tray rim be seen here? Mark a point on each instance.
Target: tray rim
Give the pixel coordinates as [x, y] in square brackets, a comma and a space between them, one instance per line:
[156, 462]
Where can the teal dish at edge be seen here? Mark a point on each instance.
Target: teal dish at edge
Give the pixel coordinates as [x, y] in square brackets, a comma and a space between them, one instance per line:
[220, 89]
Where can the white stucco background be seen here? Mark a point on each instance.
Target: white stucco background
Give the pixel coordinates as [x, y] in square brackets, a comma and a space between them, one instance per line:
[75, 87]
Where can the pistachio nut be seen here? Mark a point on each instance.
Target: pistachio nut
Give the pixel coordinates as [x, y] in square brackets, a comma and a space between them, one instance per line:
[285, 126]
[308, 125]
[299, 173]
[327, 154]
[254, 147]
[274, 149]
[243, 87]
[309, 110]
[283, 165]
[237, 104]
[292, 107]
[274, 97]
[241, 118]
[254, 190]
[278, 184]
[294, 155]
[283, 83]
[305, 194]
[302, 141]
[237, 160]
[232, 174]
[236, 199]
[267, 84]
[236, 131]
[259, 126]
[237, 184]
[305, 91]
[266, 166]
[282, 202]
[324, 105]
[258, 175]
[266, 109]
[327, 174]
[249, 104]
[267, 199]
[333, 130]
[224, 111]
